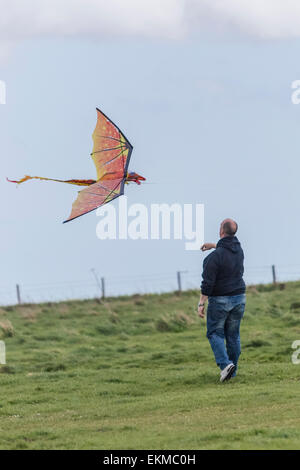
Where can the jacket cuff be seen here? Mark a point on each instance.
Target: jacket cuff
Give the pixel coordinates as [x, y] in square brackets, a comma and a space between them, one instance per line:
[206, 289]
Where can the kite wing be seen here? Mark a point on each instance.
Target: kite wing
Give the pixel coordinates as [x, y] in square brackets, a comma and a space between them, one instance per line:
[111, 151]
[95, 196]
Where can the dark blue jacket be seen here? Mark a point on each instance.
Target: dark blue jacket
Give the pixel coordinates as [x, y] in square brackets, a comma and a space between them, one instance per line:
[223, 269]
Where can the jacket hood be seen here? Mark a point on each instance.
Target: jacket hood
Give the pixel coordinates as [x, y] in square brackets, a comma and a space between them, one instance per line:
[230, 243]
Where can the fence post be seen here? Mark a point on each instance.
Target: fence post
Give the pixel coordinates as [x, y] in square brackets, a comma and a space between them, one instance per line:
[103, 287]
[18, 294]
[97, 281]
[274, 274]
[179, 280]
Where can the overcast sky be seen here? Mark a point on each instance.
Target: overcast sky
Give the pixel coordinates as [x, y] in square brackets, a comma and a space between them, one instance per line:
[202, 89]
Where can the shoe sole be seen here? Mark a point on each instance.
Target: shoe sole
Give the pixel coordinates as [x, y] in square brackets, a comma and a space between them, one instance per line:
[229, 375]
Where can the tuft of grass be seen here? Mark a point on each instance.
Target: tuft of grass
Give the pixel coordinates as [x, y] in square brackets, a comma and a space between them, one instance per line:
[106, 329]
[295, 306]
[7, 370]
[257, 343]
[54, 367]
[6, 329]
[163, 324]
[175, 322]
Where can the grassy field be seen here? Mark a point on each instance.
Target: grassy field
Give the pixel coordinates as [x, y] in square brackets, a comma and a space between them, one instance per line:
[138, 373]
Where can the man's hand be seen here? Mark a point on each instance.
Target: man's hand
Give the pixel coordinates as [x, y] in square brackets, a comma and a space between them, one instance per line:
[201, 305]
[201, 311]
[208, 246]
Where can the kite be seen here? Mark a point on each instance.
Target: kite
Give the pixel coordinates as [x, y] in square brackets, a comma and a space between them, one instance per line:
[111, 154]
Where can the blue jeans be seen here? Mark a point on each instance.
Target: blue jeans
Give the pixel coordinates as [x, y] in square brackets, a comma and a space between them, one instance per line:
[224, 315]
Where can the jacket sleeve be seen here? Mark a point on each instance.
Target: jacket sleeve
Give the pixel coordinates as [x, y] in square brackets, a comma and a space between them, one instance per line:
[210, 270]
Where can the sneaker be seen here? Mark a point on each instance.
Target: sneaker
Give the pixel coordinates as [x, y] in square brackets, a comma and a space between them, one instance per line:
[227, 372]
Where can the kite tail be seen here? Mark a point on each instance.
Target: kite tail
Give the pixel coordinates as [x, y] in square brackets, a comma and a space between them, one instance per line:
[76, 182]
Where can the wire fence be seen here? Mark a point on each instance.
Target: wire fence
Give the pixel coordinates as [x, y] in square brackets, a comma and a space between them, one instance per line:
[112, 286]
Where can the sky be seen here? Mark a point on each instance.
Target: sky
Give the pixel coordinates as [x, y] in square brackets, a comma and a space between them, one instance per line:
[202, 89]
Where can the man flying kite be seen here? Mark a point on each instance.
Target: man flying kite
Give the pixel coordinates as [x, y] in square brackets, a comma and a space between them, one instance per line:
[111, 154]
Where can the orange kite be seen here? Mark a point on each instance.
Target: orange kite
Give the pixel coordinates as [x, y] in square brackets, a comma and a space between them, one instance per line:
[111, 154]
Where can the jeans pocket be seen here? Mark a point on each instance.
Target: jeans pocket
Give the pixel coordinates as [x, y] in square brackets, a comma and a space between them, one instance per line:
[217, 310]
[238, 312]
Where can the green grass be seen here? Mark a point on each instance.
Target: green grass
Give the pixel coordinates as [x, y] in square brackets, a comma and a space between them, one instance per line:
[138, 373]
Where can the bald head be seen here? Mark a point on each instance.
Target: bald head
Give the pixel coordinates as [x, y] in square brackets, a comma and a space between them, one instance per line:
[228, 228]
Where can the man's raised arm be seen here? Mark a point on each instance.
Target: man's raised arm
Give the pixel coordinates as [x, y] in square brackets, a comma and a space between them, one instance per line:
[208, 246]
